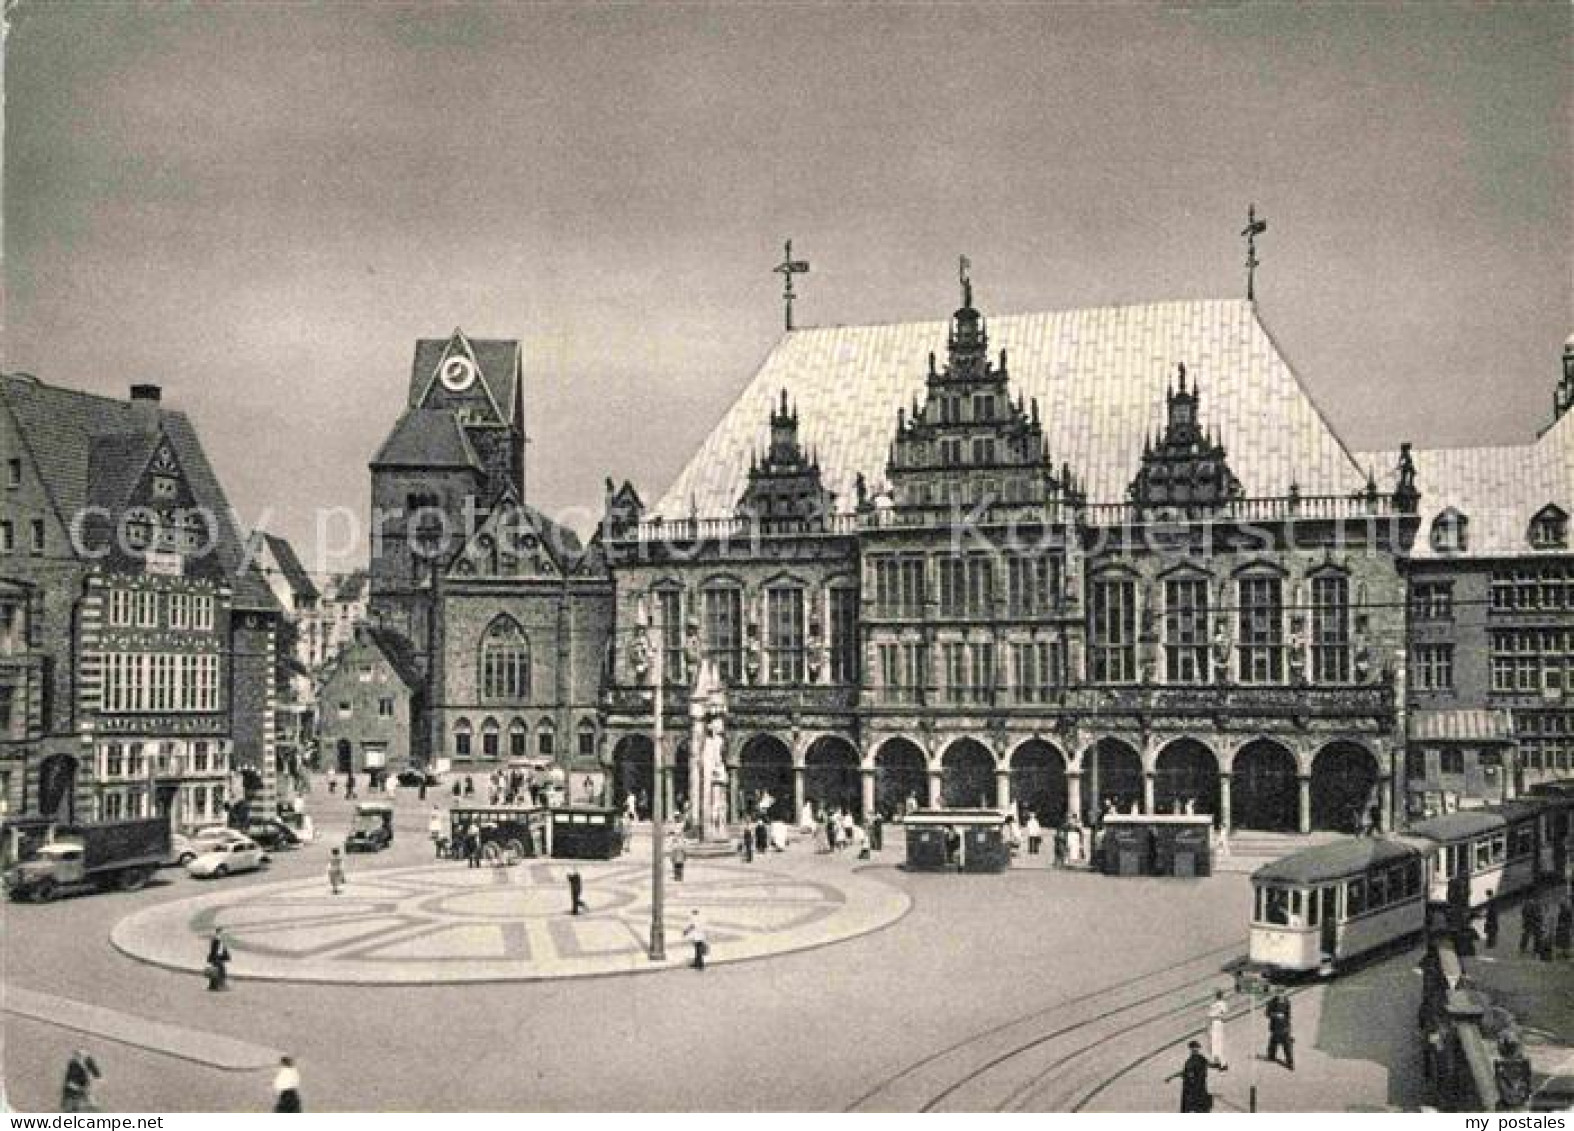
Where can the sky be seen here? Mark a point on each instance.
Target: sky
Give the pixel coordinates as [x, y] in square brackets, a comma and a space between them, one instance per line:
[261, 207]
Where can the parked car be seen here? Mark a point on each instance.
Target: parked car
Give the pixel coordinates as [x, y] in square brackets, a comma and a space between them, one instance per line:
[181, 850]
[228, 857]
[272, 833]
[414, 777]
[373, 829]
[206, 837]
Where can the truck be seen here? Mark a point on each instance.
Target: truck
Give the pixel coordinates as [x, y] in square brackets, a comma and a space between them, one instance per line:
[105, 855]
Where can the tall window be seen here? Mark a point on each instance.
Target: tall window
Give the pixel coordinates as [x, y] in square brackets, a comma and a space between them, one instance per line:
[844, 635]
[899, 586]
[518, 739]
[670, 602]
[462, 739]
[1035, 670]
[1331, 629]
[1186, 630]
[587, 738]
[1434, 667]
[784, 633]
[904, 671]
[723, 615]
[1033, 584]
[1432, 600]
[969, 672]
[967, 586]
[505, 661]
[490, 739]
[1114, 631]
[546, 738]
[1261, 647]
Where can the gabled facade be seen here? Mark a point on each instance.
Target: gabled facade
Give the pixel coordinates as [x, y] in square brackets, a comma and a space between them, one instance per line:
[373, 707]
[141, 637]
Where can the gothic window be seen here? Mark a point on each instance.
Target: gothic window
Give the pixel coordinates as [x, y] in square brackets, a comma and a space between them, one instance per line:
[546, 738]
[518, 739]
[1113, 631]
[505, 661]
[490, 739]
[844, 641]
[1186, 630]
[670, 602]
[723, 622]
[462, 738]
[1261, 629]
[784, 633]
[1331, 629]
[587, 738]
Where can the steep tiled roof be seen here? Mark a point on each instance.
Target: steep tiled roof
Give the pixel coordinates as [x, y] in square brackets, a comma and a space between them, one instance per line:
[427, 437]
[1099, 376]
[59, 427]
[496, 360]
[1497, 489]
[400, 653]
[294, 573]
[115, 465]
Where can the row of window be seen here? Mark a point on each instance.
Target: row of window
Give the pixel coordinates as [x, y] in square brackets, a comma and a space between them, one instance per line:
[142, 608]
[968, 672]
[967, 585]
[160, 681]
[1450, 760]
[36, 543]
[1300, 907]
[518, 739]
[1488, 851]
[787, 657]
[1531, 589]
[1261, 653]
[197, 804]
[1532, 660]
[133, 760]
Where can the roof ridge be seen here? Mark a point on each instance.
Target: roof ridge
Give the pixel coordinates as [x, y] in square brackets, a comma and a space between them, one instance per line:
[1049, 313]
[1305, 391]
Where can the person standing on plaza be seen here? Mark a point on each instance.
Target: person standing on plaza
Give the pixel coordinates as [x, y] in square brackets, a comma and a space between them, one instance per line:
[576, 891]
[76, 1093]
[1035, 834]
[695, 933]
[434, 829]
[679, 857]
[473, 844]
[877, 831]
[860, 841]
[349, 786]
[1563, 933]
[218, 968]
[1217, 1012]
[336, 871]
[1061, 841]
[287, 1086]
[1530, 927]
[1490, 923]
[1194, 1081]
[1280, 1035]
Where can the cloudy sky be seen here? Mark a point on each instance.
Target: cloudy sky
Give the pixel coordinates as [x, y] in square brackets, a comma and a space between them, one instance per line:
[261, 207]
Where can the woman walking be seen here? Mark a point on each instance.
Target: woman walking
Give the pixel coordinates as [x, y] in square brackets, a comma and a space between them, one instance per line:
[1216, 1015]
[287, 1086]
[335, 871]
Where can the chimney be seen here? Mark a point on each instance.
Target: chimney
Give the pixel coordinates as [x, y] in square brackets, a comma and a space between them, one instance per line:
[145, 407]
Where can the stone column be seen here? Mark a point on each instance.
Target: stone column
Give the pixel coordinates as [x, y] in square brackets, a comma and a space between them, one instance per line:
[866, 785]
[1385, 804]
[797, 790]
[1303, 784]
[734, 795]
[1074, 794]
[934, 788]
[1224, 802]
[1147, 791]
[1003, 790]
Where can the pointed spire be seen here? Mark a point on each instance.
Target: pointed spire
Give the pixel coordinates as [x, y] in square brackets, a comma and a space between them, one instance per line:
[1181, 365]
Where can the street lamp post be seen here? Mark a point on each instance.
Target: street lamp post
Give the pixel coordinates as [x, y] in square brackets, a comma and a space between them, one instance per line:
[658, 841]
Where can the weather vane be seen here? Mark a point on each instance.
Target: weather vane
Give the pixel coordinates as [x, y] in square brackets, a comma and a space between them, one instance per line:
[787, 268]
[1254, 228]
[963, 266]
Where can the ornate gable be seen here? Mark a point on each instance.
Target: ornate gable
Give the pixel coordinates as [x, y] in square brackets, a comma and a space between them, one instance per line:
[458, 382]
[1187, 467]
[510, 545]
[968, 443]
[785, 492]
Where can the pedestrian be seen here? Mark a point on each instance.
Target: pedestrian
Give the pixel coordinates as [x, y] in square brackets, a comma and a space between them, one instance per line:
[1530, 927]
[1035, 834]
[1280, 1035]
[421, 793]
[747, 845]
[860, 840]
[469, 786]
[1217, 1012]
[218, 967]
[473, 844]
[762, 834]
[1061, 843]
[287, 1086]
[434, 829]
[349, 787]
[576, 890]
[630, 813]
[335, 870]
[911, 805]
[877, 831]
[76, 1093]
[679, 858]
[1194, 1081]
[1074, 855]
[695, 933]
[1563, 934]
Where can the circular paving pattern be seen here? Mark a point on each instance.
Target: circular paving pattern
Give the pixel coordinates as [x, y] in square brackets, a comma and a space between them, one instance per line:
[445, 922]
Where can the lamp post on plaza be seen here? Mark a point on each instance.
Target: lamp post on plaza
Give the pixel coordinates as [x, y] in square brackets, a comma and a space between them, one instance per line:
[650, 637]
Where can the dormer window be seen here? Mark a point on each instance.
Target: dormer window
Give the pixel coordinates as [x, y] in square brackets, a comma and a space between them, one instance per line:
[1449, 532]
[1549, 530]
[163, 487]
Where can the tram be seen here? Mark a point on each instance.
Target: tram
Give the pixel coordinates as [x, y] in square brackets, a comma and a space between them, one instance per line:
[1321, 907]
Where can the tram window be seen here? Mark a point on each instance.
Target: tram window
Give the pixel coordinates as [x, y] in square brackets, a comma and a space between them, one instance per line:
[1525, 840]
[1296, 919]
[1483, 854]
[1311, 908]
[1413, 877]
[1499, 847]
[1355, 898]
[1277, 910]
[1377, 890]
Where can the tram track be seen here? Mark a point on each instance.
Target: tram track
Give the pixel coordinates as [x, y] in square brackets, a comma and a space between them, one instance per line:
[971, 1074]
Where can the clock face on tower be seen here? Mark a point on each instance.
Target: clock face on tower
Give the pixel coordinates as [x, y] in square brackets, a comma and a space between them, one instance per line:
[457, 374]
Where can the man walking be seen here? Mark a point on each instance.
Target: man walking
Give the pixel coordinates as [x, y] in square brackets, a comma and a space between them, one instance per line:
[679, 857]
[1194, 1081]
[76, 1094]
[1530, 927]
[576, 889]
[287, 1086]
[695, 933]
[1279, 1033]
[218, 961]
